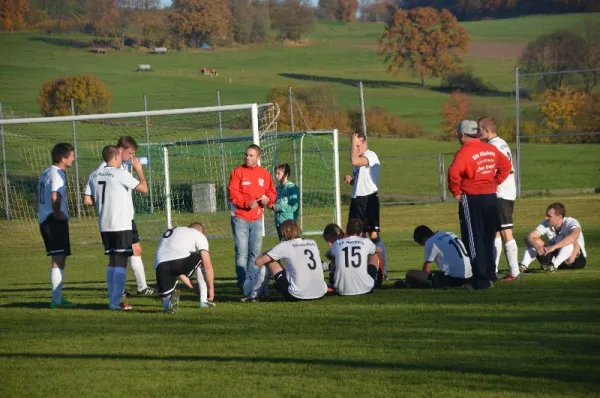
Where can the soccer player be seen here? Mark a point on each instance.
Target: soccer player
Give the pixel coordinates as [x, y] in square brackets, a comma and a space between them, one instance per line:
[506, 194]
[127, 147]
[353, 271]
[109, 190]
[251, 189]
[181, 251]
[288, 198]
[473, 178]
[566, 246]
[450, 255]
[302, 276]
[54, 218]
[364, 204]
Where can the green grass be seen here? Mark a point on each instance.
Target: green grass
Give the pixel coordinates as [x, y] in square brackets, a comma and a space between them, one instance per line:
[534, 337]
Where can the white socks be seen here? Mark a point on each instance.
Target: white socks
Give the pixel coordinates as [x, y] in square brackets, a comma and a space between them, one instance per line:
[260, 286]
[110, 277]
[56, 282]
[528, 256]
[137, 266]
[497, 251]
[202, 285]
[512, 252]
[119, 280]
[563, 255]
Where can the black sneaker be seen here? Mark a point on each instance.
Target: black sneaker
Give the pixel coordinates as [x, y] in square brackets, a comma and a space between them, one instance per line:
[400, 284]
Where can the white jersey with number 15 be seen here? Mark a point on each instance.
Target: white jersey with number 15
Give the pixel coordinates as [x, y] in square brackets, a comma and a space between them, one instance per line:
[351, 276]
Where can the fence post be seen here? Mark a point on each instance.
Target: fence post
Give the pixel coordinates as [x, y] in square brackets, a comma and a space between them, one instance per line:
[517, 132]
[222, 149]
[147, 125]
[5, 174]
[362, 108]
[76, 162]
[442, 179]
[292, 128]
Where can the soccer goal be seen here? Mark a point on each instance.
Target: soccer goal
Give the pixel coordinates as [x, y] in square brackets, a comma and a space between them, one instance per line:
[191, 153]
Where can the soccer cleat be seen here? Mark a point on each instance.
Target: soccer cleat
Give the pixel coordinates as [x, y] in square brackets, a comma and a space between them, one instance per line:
[400, 284]
[174, 302]
[63, 304]
[121, 307]
[206, 304]
[548, 268]
[148, 291]
[510, 277]
[523, 268]
[249, 299]
[330, 289]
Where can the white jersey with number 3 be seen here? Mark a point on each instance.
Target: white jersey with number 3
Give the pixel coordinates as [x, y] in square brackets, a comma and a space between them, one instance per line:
[53, 179]
[303, 267]
[351, 255]
[450, 255]
[508, 189]
[110, 187]
[178, 243]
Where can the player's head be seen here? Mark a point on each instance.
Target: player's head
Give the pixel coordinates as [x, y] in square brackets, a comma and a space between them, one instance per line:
[555, 213]
[127, 146]
[332, 232]
[63, 154]
[282, 172]
[421, 234]
[290, 230]
[198, 226]
[362, 141]
[467, 130]
[354, 227]
[112, 155]
[252, 155]
[487, 128]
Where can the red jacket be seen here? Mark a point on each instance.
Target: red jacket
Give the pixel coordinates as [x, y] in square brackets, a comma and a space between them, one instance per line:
[247, 184]
[478, 168]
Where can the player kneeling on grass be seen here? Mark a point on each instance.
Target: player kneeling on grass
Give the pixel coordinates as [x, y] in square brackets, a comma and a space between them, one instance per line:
[566, 247]
[450, 255]
[353, 269]
[180, 252]
[302, 276]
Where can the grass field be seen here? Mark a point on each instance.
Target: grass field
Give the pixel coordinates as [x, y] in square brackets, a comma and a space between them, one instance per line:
[534, 337]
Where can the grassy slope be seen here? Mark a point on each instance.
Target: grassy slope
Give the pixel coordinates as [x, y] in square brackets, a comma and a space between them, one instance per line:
[535, 337]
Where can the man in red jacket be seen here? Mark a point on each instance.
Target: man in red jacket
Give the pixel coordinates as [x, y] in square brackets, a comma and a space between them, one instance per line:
[251, 189]
[473, 177]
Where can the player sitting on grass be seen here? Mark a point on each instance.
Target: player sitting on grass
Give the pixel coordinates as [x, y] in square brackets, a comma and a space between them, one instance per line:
[181, 251]
[352, 267]
[450, 255]
[566, 246]
[302, 276]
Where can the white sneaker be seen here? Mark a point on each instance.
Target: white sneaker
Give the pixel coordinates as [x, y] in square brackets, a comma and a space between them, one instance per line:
[206, 304]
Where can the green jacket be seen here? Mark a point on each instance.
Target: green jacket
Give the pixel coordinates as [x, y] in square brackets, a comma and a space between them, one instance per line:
[287, 203]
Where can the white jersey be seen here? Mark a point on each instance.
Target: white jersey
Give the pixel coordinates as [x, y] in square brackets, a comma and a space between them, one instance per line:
[110, 187]
[450, 255]
[569, 224]
[508, 189]
[351, 263]
[303, 267]
[179, 242]
[87, 190]
[53, 179]
[366, 178]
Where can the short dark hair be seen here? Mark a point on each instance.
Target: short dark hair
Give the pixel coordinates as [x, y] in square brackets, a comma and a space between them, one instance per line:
[360, 135]
[196, 224]
[255, 147]
[559, 208]
[286, 169]
[126, 142]
[109, 152]
[354, 227]
[60, 151]
[332, 232]
[422, 233]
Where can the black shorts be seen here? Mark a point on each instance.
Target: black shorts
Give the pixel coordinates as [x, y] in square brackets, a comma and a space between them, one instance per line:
[117, 242]
[56, 236]
[167, 272]
[136, 234]
[283, 286]
[579, 263]
[366, 209]
[505, 214]
[438, 279]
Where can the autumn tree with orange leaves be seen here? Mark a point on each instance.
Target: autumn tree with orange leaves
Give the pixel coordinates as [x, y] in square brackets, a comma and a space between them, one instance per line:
[200, 20]
[346, 10]
[12, 14]
[453, 111]
[426, 41]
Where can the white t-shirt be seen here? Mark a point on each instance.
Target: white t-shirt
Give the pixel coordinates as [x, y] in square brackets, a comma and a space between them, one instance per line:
[366, 178]
[303, 267]
[178, 243]
[87, 190]
[450, 255]
[569, 224]
[508, 189]
[110, 187]
[351, 263]
[53, 179]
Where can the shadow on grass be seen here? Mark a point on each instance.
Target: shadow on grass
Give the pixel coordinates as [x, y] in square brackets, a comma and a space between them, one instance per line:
[62, 42]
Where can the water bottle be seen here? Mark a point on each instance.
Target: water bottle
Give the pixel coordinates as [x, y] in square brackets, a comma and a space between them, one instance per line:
[143, 162]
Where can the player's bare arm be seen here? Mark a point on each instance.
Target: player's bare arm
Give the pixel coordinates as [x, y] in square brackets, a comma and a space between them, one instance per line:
[534, 239]
[186, 281]
[209, 273]
[569, 239]
[426, 266]
[263, 260]
[88, 200]
[143, 185]
[56, 199]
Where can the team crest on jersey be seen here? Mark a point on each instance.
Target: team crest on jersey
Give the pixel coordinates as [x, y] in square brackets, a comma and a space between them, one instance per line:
[261, 182]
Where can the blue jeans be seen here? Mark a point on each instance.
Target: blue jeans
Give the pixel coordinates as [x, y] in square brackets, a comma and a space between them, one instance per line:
[247, 237]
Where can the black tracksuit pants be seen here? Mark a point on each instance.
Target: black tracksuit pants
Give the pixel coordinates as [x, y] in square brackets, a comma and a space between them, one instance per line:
[478, 225]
